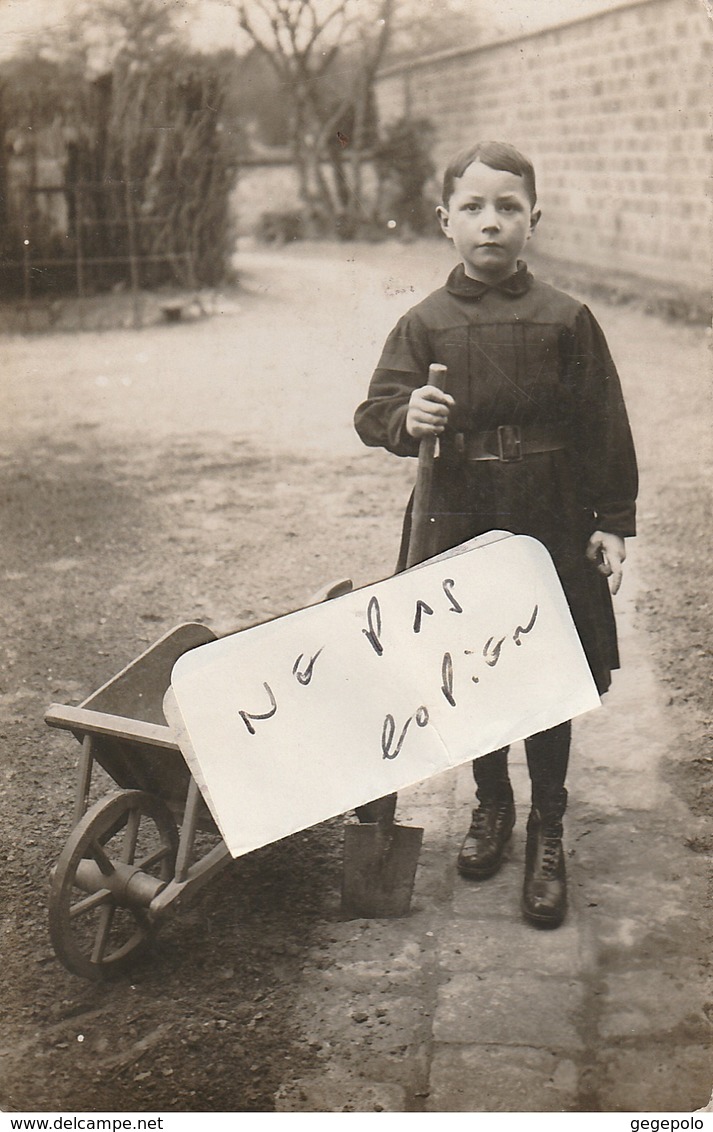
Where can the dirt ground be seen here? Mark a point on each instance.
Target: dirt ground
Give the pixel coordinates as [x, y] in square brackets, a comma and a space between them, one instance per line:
[207, 471]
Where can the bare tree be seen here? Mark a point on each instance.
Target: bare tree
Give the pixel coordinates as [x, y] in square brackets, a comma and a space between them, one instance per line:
[325, 54]
[423, 27]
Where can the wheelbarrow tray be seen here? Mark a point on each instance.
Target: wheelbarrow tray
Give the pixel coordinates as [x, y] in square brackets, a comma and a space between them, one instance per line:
[131, 740]
[94, 886]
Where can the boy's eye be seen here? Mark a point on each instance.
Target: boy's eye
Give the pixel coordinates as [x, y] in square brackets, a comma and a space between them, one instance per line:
[472, 207]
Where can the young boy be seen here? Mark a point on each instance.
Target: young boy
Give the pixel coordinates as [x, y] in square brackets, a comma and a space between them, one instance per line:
[533, 439]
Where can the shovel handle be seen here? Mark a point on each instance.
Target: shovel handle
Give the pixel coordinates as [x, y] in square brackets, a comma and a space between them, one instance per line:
[418, 541]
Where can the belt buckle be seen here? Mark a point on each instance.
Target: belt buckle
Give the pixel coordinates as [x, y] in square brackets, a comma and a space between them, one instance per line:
[509, 444]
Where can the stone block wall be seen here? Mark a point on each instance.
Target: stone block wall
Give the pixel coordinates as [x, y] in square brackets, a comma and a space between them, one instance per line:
[614, 110]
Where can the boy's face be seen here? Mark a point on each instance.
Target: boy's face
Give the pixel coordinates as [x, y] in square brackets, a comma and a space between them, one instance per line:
[489, 218]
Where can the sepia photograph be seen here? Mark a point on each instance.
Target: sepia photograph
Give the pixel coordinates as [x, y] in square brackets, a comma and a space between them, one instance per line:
[356, 694]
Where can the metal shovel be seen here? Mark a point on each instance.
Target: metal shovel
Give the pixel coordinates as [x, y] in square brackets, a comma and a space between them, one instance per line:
[380, 858]
[379, 861]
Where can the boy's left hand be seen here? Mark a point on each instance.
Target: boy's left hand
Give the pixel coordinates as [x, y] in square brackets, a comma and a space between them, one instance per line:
[608, 553]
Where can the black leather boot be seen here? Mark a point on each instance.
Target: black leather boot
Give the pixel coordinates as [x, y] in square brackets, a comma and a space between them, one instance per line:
[544, 897]
[482, 851]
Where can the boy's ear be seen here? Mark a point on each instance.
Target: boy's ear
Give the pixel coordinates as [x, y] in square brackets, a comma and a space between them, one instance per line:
[534, 219]
[442, 214]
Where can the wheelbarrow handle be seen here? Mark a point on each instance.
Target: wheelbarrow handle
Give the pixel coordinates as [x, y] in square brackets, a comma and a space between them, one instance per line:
[420, 512]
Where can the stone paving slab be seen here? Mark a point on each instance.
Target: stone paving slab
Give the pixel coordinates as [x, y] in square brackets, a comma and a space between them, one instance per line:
[485, 945]
[657, 1078]
[653, 898]
[501, 1079]
[627, 836]
[509, 1008]
[633, 791]
[666, 890]
[649, 1002]
[497, 897]
[623, 937]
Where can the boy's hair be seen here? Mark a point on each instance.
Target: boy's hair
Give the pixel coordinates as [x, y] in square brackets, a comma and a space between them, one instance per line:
[497, 155]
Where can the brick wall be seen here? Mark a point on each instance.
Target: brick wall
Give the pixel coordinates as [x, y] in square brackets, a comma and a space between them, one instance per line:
[614, 110]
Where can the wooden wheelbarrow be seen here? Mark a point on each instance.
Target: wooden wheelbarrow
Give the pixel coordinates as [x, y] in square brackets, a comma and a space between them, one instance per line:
[131, 855]
[152, 843]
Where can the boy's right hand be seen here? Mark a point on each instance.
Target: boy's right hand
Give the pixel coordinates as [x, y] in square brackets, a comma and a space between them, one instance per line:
[428, 410]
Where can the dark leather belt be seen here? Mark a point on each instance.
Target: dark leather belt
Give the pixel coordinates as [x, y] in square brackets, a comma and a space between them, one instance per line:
[509, 443]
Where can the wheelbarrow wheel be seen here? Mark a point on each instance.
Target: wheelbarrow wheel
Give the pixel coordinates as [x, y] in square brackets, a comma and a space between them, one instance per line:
[119, 856]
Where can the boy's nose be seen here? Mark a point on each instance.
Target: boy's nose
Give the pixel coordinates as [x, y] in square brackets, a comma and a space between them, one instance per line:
[490, 220]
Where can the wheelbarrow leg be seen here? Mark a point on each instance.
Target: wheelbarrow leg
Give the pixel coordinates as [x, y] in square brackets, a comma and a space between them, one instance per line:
[188, 831]
[86, 764]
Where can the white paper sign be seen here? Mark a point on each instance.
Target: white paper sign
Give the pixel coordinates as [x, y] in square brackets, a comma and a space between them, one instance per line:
[307, 716]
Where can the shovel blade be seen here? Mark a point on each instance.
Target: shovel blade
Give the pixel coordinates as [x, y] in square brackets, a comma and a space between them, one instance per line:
[379, 869]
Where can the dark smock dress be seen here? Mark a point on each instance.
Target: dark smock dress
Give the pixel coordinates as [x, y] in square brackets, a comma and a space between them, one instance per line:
[538, 442]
